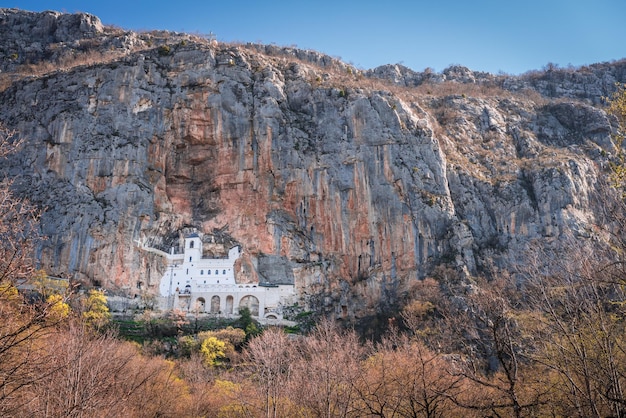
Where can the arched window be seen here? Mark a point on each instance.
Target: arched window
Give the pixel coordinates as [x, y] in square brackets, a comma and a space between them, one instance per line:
[208, 272]
[200, 304]
[251, 303]
[229, 304]
[223, 271]
[190, 244]
[217, 272]
[201, 272]
[215, 304]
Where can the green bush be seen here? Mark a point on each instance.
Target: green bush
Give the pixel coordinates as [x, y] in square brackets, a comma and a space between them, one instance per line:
[164, 50]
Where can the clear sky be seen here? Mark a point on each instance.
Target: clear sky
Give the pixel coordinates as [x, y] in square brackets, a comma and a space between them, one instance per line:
[484, 35]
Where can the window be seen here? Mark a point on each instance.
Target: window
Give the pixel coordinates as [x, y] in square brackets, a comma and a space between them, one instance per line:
[201, 272]
[223, 271]
[189, 258]
[217, 272]
[208, 272]
[188, 271]
[190, 244]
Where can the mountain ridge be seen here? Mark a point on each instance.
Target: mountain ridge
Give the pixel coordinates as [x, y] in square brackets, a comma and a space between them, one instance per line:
[355, 183]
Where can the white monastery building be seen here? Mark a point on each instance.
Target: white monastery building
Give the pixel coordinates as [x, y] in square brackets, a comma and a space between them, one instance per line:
[208, 285]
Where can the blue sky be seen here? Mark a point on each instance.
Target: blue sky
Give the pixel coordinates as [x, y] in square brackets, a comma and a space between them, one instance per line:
[484, 35]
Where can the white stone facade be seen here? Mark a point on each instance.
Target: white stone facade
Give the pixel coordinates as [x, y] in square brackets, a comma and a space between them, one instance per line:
[208, 285]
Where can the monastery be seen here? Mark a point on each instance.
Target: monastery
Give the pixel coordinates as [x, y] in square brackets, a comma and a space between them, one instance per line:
[196, 284]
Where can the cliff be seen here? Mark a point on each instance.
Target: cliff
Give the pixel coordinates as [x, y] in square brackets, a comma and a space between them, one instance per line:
[349, 184]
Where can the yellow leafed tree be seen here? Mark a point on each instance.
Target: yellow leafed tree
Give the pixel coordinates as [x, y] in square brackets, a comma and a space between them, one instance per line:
[212, 350]
[96, 312]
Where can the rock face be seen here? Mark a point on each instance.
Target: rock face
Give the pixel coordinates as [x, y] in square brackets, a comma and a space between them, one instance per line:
[350, 185]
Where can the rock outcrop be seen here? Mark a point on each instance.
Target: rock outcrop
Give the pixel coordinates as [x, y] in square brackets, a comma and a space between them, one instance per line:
[349, 184]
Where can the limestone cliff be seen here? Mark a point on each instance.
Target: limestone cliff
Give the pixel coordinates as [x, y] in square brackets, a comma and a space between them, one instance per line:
[349, 184]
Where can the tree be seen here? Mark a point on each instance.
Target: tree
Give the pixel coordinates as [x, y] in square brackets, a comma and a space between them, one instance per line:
[326, 365]
[247, 323]
[269, 357]
[19, 221]
[24, 325]
[58, 309]
[578, 301]
[47, 286]
[212, 350]
[488, 328]
[404, 378]
[581, 331]
[95, 310]
[97, 375]
[233, 338]
[232, 399]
